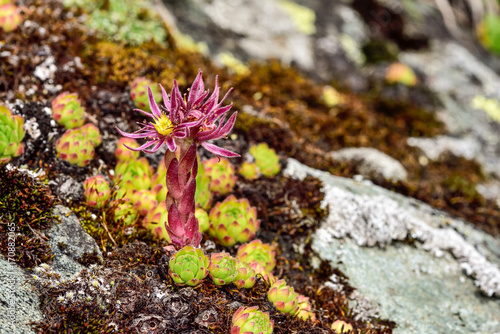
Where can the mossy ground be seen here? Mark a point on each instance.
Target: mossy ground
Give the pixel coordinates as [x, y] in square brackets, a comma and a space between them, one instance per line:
[290, 116]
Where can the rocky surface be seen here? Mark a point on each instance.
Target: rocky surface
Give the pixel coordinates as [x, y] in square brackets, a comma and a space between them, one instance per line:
[427, 267]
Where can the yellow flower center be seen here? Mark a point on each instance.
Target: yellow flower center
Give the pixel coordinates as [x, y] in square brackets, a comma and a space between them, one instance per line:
[164, 126]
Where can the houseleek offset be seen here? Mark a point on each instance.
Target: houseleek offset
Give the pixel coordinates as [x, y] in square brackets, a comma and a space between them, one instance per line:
[182, 124]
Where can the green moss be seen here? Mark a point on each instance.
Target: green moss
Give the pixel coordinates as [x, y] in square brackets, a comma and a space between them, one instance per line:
[25, 211]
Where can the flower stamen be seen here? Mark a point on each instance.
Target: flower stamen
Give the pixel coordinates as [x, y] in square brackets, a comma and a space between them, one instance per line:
[163, 125]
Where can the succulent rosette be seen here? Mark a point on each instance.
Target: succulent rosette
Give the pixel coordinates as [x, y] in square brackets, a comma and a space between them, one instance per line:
[223, 268]
[77, 145]
[259, 252]
[10, 18]
[341, 327]
[304, 309]
[283, 297]
[189, 266]
[222, 175]
[123, 153]
[11, 135]
[251, 320]
[155, 221]
[249, 171]
[400, 73]
[245, 278]
[133, 174]
[125, 213]
[233, 221]
[144, 201]
[139, 92]
[97, 191]
[261, 270]
[67, 110]
[203, 195]
[266, 159]
[202, 217]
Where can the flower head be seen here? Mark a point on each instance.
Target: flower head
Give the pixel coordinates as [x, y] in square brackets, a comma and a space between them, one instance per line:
[193, 118]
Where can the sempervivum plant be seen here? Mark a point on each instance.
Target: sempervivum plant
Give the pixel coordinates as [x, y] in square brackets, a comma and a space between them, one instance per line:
[261, 270]
[400, 73]
[222, 268]
[189, 266]
[233, 221]
[258, 252]
[222, 175]
[77, 145]
[245, 278]
[249, 171]
[266, 159]
[202, 217]
[251, 320]
[341, 327]
[125, 213]
[304, 309]
[139, 92]
[203, 195]
[10, 18]
[144, 201]
[67, 110]
[11, 135]
[97, 191]
[155, 221]
[123, 153]
[283, 297]
[133, 174]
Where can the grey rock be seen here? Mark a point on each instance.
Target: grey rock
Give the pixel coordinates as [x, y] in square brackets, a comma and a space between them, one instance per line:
[427, 287]
[19, 303]
[372, 163]
[467, 147]
[67, 188]
[77, 242]
[457, 77]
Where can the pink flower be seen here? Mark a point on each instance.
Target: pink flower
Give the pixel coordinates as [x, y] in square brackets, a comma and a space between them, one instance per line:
[196, 119]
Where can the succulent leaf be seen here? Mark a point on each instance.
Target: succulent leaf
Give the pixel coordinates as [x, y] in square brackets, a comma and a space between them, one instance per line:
[123, 153]
[133, 174]
[223, 268]
[245, 278]
[283, 297]
[67, 110]
[258, 252]
[266, 159]
[77, 145]
[139, 93]
[249, 171]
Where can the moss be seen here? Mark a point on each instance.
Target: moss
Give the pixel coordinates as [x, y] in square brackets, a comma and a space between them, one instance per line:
[26, 210]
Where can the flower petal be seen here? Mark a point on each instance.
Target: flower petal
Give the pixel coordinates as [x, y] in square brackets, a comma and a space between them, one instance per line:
[219, 151]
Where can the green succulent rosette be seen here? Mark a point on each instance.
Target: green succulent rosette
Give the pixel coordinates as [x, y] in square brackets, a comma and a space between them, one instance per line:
[223, 268]
[77, 145]
[266, 159]
[125, 213]
[304, 309]
[259, 252]
[284, 297]
[67, 110]
[251, 320]
[245, 278]
[10, 18]
[97, 191]
[144, 201]
[133, 174]
[233, 221]
[139, 93]
[222, 175]
[203, 195]
[122, 153]
[341, 327]
[249, 171]
[189, 266]
[11, 135]
[202, 217]
[155, 221]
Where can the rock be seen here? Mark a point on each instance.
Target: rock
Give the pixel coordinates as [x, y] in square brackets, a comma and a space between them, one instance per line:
[372, 164]
[67, 188]
[467, 147]
[74, 241]
[461, 81]
[425, 286]
[19, 303]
